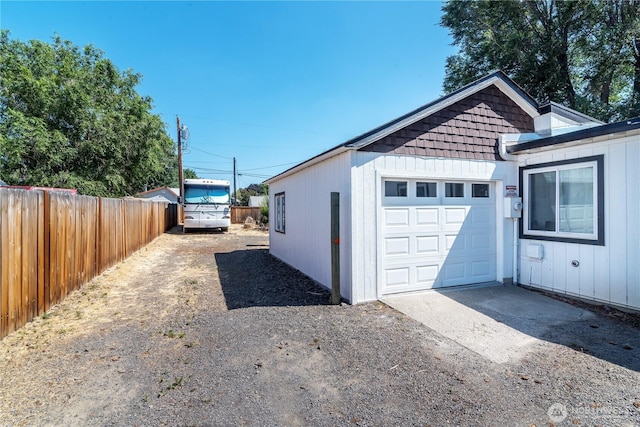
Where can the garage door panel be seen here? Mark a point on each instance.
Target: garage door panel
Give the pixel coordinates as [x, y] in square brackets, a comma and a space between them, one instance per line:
[396, 217]
[481, 269]
[397, 277]
[426, 275]
[480, 241]
[454, 215]
[482, 216]
[428, 246]
[396, 246]
[427, 216]
[455, 244]
[453, 271]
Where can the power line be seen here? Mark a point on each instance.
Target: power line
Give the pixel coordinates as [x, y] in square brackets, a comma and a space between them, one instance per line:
[253, 175]
[243, 170]
[207, 162]
[209, 170]
[274, 166]
[211, 154]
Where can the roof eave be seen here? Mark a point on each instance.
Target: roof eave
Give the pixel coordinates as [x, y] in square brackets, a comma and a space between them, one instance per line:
[504, 83]
[569, 113]
[497, 78]
[623, 128]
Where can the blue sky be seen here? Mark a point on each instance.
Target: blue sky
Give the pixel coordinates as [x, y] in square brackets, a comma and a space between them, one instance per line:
[269, 83]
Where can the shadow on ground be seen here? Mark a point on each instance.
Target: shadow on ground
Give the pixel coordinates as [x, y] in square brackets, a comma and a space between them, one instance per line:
[254, 278]
[177, 229]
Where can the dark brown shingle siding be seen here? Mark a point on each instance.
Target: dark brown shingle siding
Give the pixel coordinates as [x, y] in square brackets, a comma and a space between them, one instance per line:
[468, 129]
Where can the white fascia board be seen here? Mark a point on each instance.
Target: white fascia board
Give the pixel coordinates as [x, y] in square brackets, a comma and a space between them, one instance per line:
[508, 90]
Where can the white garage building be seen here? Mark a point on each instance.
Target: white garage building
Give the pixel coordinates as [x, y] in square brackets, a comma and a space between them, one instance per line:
[425, 200]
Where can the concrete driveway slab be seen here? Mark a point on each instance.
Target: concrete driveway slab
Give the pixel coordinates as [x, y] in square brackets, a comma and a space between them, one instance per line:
[501, 323]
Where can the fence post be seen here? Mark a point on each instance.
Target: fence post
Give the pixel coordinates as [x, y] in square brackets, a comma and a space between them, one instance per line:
[99, 238]
[46, 259]
[335, 248]
[4, 275]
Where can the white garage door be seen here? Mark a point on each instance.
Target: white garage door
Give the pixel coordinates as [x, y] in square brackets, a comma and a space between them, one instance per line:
[436, 234]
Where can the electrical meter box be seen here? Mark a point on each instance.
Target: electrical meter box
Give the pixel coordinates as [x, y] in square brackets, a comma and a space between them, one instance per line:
[513, 207]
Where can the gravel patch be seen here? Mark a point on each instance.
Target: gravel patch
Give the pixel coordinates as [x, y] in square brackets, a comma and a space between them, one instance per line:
[209, 329]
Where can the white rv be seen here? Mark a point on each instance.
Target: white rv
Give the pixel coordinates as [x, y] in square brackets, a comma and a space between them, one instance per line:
[207, 204]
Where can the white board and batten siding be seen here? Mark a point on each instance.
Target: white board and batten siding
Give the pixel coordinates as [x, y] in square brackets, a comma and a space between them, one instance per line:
[609, 273]
[425, 235]
[306, 242]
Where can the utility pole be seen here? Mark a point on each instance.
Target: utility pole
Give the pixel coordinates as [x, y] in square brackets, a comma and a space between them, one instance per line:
[235, 200]
[180, 161]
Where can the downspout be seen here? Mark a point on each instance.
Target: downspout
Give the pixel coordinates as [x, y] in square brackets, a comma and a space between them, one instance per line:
[515, 279]
[502, 149]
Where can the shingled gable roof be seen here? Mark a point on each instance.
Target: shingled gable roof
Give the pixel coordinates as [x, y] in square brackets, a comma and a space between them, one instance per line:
[496, 79]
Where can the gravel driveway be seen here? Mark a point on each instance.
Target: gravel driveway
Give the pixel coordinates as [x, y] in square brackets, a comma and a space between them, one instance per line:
[209, 329]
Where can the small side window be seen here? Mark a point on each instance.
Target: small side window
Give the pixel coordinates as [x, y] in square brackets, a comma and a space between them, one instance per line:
[279, 214]
[480, 190]
[395, 189]
[454, 189]
[426, 189]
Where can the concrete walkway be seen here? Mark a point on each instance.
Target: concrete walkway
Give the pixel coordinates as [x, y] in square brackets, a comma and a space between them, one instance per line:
[501, 323]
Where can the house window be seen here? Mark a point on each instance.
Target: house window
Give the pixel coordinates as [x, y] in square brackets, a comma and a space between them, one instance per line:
[480, 190]
[564, 201]
[454, 189]
[395, 188]
[279, 217]
[426, 189]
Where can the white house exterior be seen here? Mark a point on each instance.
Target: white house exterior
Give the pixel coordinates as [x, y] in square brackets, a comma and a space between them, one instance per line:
[161, 194]
[601, 262]
[425, 201]
[257, 201]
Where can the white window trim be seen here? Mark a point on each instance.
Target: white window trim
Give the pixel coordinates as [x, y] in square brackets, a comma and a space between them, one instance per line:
[279, 203]
[597, 237]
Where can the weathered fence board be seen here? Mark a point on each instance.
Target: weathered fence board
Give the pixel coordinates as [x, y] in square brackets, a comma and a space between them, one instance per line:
[4, 266]
[52, 243]
[240, 213]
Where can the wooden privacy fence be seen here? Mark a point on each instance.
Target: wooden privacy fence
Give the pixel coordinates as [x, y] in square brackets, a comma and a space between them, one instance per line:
[52, 243]
[240, 213]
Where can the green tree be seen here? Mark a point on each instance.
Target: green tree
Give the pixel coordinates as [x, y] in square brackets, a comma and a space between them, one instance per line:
[264, 212]
[189, 174]
[609, 74]
[186, 174]
[581, 53]
[243, 194]
[70, 118]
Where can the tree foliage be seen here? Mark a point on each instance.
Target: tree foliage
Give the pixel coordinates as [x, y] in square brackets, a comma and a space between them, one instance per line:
[189, 174]
[582, 53]
[243, 194]
[70, 118]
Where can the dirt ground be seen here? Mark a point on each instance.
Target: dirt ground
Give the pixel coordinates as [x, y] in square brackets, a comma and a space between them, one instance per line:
[209, 329]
